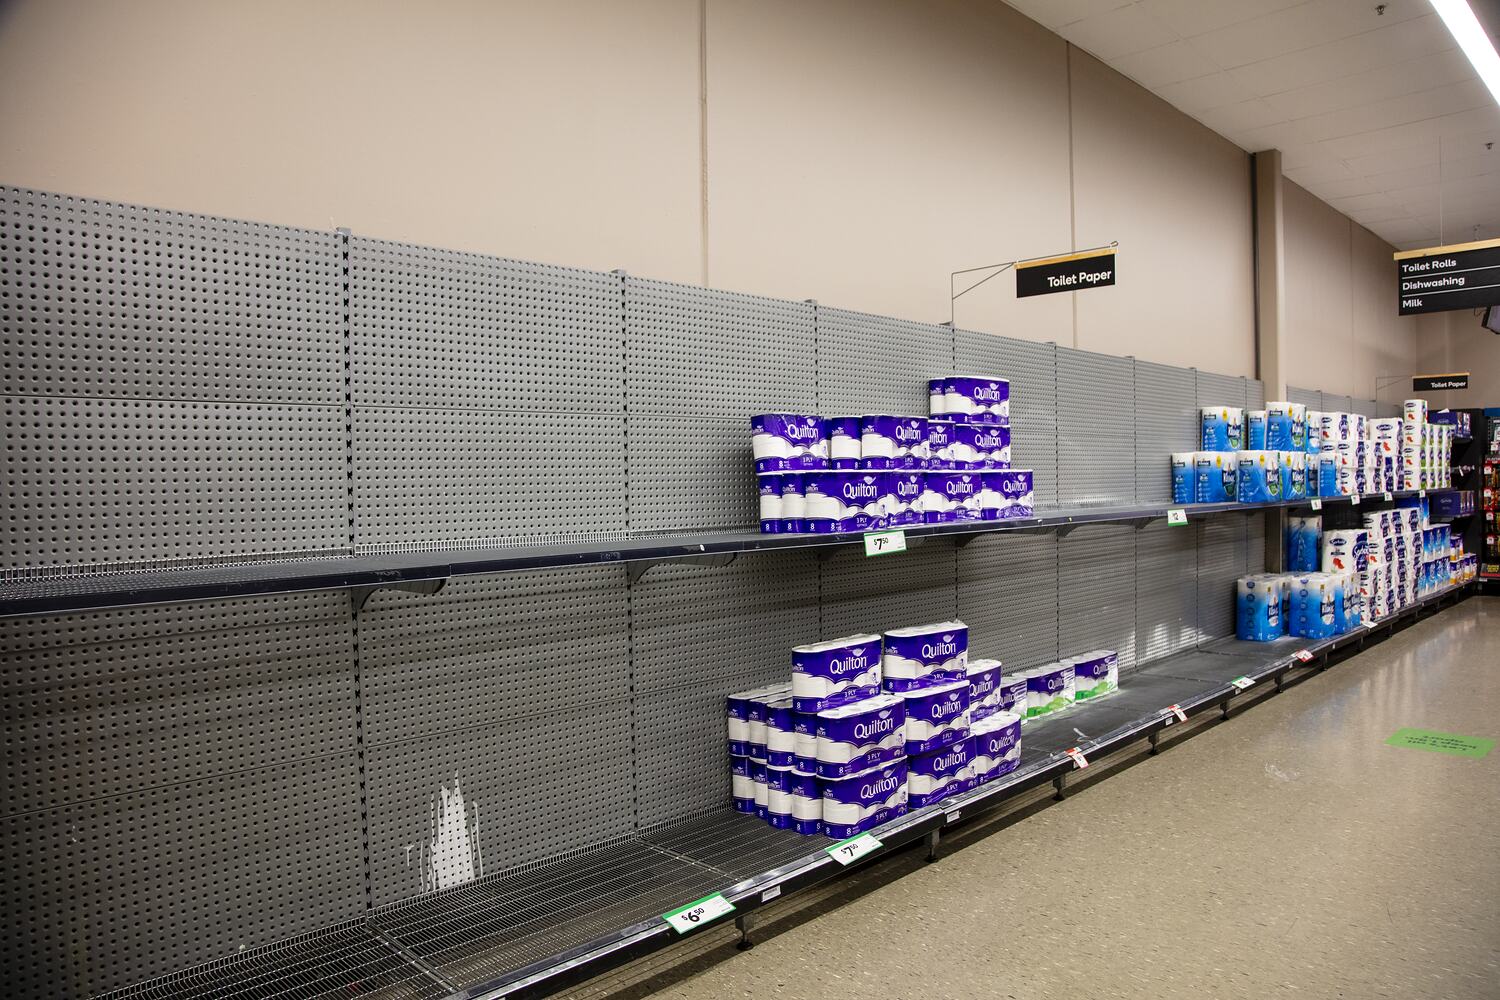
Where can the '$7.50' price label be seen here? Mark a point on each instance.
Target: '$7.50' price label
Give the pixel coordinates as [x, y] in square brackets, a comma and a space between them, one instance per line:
[698, 913]
[847, 852]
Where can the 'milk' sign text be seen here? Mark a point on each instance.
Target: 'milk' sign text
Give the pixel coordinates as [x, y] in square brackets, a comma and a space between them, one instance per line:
[1438, 279]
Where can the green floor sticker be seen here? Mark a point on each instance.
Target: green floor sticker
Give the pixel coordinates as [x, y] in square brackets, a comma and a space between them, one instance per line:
[1426, 739]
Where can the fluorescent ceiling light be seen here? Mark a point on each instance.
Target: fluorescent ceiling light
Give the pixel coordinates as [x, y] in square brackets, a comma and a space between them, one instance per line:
[1465, 28]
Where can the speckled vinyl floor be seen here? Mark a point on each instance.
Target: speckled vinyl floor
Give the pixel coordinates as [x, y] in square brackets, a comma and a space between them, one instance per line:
[1286, 852]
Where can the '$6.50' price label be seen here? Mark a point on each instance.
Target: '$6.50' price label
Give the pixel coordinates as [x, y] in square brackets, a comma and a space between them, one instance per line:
[698, 913]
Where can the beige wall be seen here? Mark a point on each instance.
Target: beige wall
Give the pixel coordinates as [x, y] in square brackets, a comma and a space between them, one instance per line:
[1456, 342]
[1342, 328]
[852, 151]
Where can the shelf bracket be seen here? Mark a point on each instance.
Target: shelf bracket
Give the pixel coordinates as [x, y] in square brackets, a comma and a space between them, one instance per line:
[635, 570]
[362, 594]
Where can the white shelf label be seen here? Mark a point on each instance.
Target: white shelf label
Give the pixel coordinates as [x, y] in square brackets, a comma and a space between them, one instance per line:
[1079, 760]
[1241, 683]
[1421, 493]
[1177, 711]
[1302, 655]
[1354, 500]
[1317, 503]
[1388, 496]
[954, 816]
[698, 913]
[881, 543]
[1176, 516]
[851, 850]
[770, 894]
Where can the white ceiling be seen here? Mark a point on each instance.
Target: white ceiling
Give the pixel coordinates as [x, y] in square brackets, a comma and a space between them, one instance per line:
[1380, 115]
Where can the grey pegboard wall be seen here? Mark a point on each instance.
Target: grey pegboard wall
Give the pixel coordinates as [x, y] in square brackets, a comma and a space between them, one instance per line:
[1310, 398]
[1222, 560]
[1032, 370]
[876, 364]
[698, 364]
[1007, 595]
[861, 595]
[200, 352]
[1166, 420]
[1096, 590]
[1166, 586]
[184, 782]
[489, 399]
[1096, 449]
[488, 689]
[1255, 394]
[1220, 390]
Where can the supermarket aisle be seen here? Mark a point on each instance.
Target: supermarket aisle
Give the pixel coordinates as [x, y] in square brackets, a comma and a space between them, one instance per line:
[1286, 852]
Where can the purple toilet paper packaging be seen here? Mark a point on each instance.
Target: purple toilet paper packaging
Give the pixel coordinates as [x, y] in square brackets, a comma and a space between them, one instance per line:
[768, 485]
[780, 738]
[862, 801]
[779, 808]
[1013, 696]
[977, 399]
[920, 653]
[859, 735]
[984, 688]
[843, 501]
[742, 791]
[890, 442]
[793, 502]
[843, 442]
[980, 446]
[997, 745]
[739, 765]
[937, 401]
[807, 803]
[788, 442]
[937, 714]
[1097, 673]
[825, 674]
[904, 500]
[737, 716]
[940, 434]
[762, 789]
[1016, 490]
[951, 497]
[932, 777]
[805, 741]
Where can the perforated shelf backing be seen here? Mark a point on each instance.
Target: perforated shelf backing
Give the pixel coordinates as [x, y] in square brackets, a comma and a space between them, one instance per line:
[111, 891]
[698, 364]
[1166, 421]
[444, 330]
[1166, 589]
[699, 633]
[1310, 398]
[863, 595]
[1007, 595]
[109, 481]
[876, 364]
[1032, 370]
[1096, 457]
[1096, 590]
[157, 304]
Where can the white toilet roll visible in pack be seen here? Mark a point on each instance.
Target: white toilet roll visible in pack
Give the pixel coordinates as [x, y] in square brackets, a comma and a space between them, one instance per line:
[1304, 544]
[919, 653]
[997, 745]
[1255, 430]
[825, 674]
[1278, 426]
[1345, 549]
[1049, 689]
[1216, 475]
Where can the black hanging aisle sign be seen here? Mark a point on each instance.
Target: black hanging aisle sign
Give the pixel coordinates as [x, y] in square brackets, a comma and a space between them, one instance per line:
[1439, 279]
[1067, 273]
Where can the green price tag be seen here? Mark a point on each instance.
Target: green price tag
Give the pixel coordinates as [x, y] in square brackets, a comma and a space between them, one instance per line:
[883, 543]
[849, 851]
[1176, 516]
[1317, 503]
[699, 912]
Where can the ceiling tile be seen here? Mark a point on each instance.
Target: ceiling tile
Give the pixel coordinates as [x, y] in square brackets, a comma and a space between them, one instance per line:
[1170, 63]
[1437, 102]
[1321, 172]
[1203, 92]
[1056, 13]
[1359, 202]
[1301, 27]
[1117, 33]
[1233, 118]
[1369, 51]
[1371, 217]
[1413, 75]
[1194, 17]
